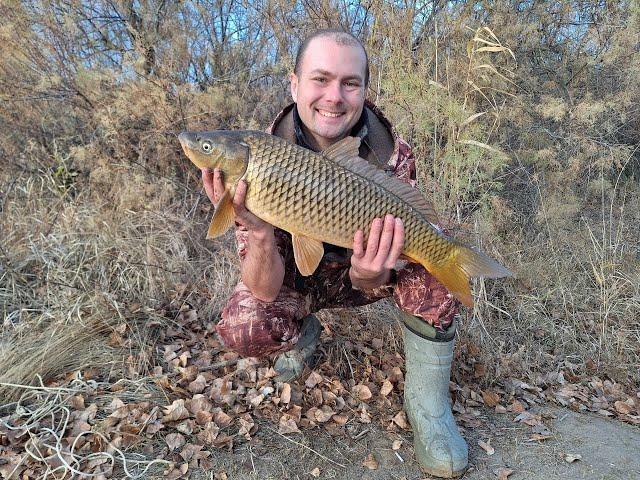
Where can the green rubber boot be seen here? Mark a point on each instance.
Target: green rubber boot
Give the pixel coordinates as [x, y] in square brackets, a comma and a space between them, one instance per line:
[440, 449]
[290, 365]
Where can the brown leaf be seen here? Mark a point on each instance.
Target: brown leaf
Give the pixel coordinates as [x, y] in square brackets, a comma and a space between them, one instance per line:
[516, 407]
[386, 389]
[287, 425]
[222, 419]
[503, 473]
[370, 462]
[324, 414]
[174, 440]
[486, 446]
[315, 472]
[198, 385]
[401, 420]
[623, 407]
[179, 472]
[361, 392]
[175, 412]
[491, 399]
[285, 396]
[340, 419]
[202, 417]
[313, 379]
[208, 435]
[396, 445]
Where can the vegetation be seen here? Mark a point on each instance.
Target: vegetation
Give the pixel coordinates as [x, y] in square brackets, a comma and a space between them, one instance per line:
[523, 116]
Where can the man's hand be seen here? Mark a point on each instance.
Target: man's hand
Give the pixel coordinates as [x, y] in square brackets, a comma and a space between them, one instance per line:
[214, 186]
[371, 268]
[262, 268]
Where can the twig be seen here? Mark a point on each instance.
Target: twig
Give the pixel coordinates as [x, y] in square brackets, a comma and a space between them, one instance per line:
[308, 448]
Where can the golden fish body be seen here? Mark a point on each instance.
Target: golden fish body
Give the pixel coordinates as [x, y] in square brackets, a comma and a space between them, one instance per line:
[327, 197]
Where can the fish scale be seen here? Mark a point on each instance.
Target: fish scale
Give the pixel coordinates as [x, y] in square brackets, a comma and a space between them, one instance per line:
[318, 197]
[328, 197]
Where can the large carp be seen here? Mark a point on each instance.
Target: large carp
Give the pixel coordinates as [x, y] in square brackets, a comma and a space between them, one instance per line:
[326, 197]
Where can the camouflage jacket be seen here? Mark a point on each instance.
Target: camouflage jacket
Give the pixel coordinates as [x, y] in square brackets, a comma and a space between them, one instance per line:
[414, 289]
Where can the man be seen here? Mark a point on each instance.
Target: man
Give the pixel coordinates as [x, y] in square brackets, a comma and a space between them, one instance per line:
[271, 309]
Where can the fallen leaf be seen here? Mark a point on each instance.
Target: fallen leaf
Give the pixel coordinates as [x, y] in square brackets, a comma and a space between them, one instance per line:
[174, 440]
[340, 419]
[396, 445]
[285, 396]
[313, 379]
[370, 462]
[361, 392]
[401, 420]
[315, 472]
[623, 408]
[503, 473]
[175, 412]
[198, 385]
[572, 457]
[491, 399]
[287, 425]
[386, 389]
[324, 414]
[486, 446]
[516, 407]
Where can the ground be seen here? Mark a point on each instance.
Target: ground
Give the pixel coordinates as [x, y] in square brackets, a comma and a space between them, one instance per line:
[608, 450]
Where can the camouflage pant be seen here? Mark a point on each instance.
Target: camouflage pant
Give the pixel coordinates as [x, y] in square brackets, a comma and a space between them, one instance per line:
[254, 328]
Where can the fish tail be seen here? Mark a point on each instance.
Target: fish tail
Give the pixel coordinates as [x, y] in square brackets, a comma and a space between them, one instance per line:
[464, 263]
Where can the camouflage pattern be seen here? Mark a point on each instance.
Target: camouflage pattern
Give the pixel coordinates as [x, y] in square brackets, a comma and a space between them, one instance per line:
[256, 328]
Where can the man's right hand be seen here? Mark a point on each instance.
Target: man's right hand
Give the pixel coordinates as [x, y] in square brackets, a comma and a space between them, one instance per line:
[214, 187]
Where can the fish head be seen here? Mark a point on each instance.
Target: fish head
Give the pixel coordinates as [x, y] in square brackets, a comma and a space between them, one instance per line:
[221, 149]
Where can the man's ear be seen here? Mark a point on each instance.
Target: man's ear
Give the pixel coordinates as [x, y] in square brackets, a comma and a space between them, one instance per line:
[293, 79]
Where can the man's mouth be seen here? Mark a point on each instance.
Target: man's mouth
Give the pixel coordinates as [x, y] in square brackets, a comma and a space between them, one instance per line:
[328, 114]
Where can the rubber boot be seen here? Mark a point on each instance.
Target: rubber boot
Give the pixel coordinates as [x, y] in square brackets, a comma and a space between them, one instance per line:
[439, 448]
[290, 365]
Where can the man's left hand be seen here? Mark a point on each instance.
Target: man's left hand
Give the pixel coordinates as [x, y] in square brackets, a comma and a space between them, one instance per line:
[371, 267]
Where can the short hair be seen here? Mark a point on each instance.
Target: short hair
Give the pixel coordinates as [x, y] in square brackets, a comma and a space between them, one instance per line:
[341, 37]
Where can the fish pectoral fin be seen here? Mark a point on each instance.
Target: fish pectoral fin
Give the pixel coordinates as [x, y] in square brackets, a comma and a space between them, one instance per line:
[223, 217]
[307, 252]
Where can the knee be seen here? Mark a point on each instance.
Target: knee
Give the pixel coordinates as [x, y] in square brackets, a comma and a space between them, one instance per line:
[254, 328]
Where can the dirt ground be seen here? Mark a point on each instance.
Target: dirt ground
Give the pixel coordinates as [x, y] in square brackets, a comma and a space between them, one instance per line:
[607, 450]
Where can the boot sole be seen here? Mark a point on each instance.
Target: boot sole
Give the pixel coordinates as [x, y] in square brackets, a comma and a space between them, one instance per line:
[436, 472]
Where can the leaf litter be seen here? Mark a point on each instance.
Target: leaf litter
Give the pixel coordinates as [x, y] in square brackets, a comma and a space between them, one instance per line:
[200, 397]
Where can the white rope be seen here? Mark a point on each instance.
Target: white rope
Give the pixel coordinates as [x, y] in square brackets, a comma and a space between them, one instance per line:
[54, 403]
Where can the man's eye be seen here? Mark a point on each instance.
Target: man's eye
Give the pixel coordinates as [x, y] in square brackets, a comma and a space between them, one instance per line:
[320, 79]
[352, 84]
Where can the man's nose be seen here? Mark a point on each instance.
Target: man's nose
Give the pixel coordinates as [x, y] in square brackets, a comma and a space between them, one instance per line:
[333, 92]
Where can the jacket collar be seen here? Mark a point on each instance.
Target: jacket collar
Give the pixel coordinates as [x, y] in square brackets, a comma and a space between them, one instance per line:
[379, 141]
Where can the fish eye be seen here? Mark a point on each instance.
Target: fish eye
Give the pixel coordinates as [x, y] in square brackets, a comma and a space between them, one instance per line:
[206, 147]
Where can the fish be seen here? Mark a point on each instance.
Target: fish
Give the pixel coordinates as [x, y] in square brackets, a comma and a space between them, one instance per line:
[328, 196]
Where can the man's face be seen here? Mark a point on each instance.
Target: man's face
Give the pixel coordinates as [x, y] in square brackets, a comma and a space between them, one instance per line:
[329, 89]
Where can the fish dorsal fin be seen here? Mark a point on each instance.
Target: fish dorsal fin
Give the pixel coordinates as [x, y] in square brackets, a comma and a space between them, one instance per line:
[348, 147]
[345, 154]
[307, 252]
[223, 217]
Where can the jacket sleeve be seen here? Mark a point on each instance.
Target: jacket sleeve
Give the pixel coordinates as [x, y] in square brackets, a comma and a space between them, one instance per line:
[417, 292]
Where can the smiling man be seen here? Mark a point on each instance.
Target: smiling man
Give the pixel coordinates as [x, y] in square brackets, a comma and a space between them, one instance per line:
[271, 309]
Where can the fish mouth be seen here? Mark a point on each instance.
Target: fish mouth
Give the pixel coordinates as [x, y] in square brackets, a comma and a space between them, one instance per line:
[187, 141]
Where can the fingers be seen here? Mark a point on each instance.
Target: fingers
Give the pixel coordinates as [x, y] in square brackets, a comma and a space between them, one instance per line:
[396, 246]
[213, 181]
[239, 197]
[386, 238]
[358, 244]
[207, 180]
[374, 239]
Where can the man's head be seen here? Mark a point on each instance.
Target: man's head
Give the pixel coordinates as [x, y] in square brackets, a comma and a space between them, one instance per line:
[328, 85]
